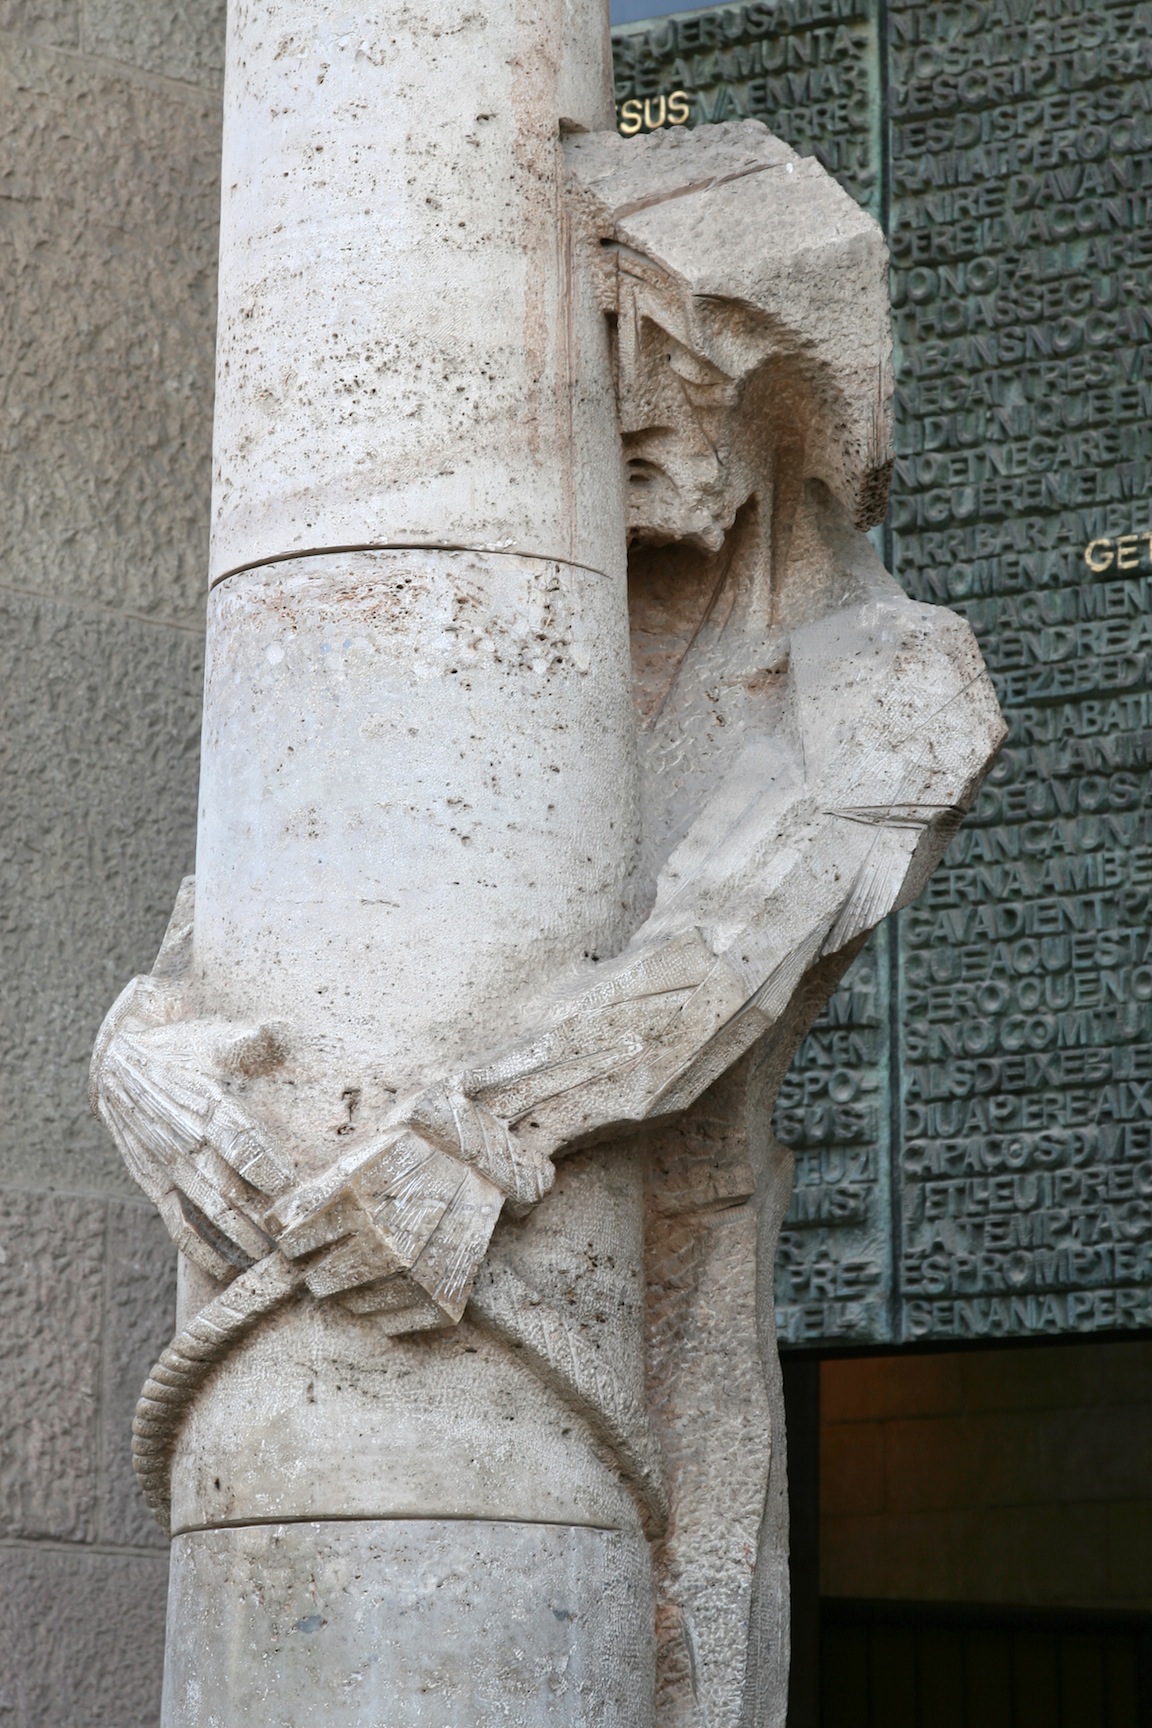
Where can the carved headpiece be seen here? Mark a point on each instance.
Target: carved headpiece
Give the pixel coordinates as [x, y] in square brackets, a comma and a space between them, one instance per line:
[795, 333]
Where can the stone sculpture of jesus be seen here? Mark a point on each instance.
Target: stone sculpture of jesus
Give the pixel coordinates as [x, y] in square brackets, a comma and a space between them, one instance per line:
[564, 739]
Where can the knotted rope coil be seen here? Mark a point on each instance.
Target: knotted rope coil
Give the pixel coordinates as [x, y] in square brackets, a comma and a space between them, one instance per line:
[501, 1300]
[177, 1377]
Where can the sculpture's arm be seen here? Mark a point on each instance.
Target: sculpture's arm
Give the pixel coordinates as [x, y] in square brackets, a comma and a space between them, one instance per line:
[895, 720]
[813, 837]
[807, 844]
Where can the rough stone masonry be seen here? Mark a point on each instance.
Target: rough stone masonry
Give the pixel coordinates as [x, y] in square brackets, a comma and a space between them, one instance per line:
[563, 740]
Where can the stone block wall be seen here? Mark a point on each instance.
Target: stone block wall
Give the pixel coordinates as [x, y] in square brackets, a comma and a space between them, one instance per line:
[1018, 1476]
[109, 146]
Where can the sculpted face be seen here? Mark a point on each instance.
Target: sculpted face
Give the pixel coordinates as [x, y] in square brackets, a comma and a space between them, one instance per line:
[687, 475]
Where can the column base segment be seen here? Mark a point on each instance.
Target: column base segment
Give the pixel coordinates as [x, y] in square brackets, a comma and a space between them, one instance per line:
[409, 1623]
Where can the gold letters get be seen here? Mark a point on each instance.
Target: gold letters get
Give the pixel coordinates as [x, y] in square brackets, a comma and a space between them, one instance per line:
[1120, 553]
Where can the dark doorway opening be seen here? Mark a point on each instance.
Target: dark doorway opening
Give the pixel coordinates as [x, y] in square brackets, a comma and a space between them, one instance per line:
[950, 1665]
[971, 1538]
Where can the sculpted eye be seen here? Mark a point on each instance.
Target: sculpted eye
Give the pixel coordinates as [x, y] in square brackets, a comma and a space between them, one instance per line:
[703, 382]
[641, 473]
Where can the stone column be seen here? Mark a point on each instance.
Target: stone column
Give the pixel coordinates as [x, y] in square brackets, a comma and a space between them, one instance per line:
[452, 1432]
[417, 623]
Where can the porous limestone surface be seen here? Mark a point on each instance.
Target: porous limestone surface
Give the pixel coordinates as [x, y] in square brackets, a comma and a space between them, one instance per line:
[406, 351]
[426, 1623]
[323, 1415]
[420, 766]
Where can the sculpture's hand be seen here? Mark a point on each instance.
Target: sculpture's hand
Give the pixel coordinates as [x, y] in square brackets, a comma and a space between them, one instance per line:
[402, 1226]
[160, 1082]
[197, 1154]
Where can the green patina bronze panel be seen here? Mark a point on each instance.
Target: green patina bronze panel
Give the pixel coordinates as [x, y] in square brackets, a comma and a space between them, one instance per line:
[805, 67]
[1021, 150]
[834, 1270]
[987, 1172]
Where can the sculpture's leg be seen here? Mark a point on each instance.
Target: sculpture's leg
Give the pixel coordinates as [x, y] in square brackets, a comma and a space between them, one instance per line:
[718, 1188]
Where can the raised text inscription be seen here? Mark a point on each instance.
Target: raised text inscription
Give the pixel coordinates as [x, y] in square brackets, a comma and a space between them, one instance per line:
[985, 1170]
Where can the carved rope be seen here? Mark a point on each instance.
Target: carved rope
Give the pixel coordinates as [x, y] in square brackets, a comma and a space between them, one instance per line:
[169, 1390]
[502, 1302]
[562, 1358]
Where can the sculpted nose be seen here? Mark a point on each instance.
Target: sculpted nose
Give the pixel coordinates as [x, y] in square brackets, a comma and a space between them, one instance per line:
[637, 387]
[635, 416]
[631, 398]
[644, 402]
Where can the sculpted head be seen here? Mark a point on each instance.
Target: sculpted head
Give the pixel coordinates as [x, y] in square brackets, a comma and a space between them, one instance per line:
[710, 415]
[751, 330]
[689, 462]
